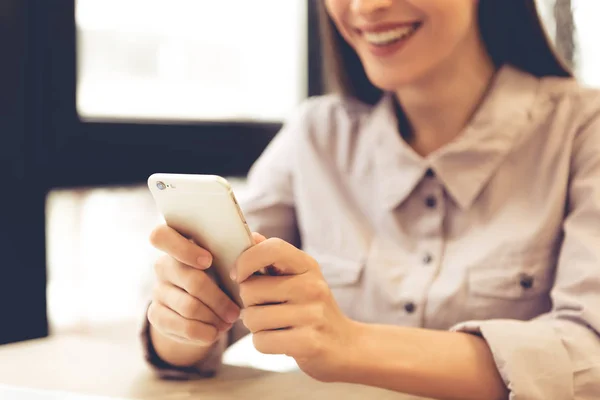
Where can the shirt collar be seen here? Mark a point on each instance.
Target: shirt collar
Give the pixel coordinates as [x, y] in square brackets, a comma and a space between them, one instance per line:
[398, 168]
[465, 165]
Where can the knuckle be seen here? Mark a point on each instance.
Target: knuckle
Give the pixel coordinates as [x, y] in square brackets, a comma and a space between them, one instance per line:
[280, 243]
[222, 306]
[249, 320]
[189, 331]
[317, 314]
[258, 340]
[160, 294]
[243, 291]
[312, 263]
[198, 282]
[321, 290]
[159, 235]
[188, 306]
[275, 244]
[161, 264]
[153, 315]
[200, 333]
[212, 334]
[157, 292]
[317, 290]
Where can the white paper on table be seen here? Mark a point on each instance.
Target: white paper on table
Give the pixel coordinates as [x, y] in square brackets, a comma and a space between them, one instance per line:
[17, 393]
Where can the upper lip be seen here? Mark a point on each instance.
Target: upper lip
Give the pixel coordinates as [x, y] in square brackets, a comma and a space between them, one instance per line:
[383, 27]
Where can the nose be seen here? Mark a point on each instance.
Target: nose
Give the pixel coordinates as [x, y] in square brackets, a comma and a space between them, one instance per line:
[370, 6]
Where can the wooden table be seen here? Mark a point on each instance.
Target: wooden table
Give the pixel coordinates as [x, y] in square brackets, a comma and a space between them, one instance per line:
[113, 366]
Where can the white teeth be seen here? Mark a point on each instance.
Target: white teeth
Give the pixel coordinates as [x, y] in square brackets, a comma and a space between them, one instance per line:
[387, 37]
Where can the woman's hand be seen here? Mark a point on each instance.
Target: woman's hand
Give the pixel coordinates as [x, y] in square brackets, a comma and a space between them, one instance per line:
[294, 312]
[187, 306]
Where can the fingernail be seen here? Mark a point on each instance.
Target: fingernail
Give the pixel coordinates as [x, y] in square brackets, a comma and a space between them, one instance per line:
[233, 274]
[204, 261]
[225, 327]
[232, 315]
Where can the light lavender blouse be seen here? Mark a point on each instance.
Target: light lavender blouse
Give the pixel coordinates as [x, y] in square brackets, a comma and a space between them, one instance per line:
[496, 234]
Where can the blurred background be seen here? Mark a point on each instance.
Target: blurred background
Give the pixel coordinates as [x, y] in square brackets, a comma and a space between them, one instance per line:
[99, 94]
[155, 62]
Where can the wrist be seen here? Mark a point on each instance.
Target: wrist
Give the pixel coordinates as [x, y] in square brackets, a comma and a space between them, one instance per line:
[351, 353]
[370, 355]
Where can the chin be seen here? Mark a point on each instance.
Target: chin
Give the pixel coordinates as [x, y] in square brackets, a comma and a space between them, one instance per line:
[392, 80]
[391, 84]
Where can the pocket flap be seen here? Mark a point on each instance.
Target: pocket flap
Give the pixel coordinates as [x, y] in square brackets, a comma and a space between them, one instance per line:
[338, 270]
[517, 276]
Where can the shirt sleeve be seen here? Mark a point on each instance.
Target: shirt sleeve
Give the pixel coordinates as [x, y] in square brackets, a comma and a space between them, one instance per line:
[557, 355]
[268, 200]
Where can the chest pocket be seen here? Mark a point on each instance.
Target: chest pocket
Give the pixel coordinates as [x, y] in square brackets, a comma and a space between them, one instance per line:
[515, 285]
[343, 276]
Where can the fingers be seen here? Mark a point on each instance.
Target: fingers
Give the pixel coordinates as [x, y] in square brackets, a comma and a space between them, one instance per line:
[199, 285]
[260, 290]
[187, 306]
[282, 316]
[285, 258]
[291, 342]
[171, 242]
[169, 323]
[258, 238]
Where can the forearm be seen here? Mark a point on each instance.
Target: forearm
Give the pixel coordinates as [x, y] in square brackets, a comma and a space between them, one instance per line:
[176, 353]
[437, 364]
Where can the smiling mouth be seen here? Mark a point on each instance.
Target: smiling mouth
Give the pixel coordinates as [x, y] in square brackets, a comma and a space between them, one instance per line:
[391, 36]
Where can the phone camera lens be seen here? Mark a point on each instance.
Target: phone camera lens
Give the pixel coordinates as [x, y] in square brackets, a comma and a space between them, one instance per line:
[161, 185]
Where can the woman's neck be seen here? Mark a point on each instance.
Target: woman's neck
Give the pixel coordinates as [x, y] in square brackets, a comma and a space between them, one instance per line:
[439, 106]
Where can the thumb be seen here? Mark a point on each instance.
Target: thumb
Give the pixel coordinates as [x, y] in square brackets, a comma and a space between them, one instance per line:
[270, 270]
[258, 238]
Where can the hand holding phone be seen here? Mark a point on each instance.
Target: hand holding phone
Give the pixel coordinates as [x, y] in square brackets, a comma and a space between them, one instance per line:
[187, 305]
[204, 229]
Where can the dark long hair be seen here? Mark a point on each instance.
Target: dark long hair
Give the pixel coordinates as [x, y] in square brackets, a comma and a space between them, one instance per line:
[512, 31]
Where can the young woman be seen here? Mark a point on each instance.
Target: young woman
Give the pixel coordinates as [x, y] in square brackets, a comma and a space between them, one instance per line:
[448, 204]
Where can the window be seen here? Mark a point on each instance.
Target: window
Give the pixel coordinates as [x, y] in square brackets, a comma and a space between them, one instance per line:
[587, 30]
[190, 59]
[99, 257]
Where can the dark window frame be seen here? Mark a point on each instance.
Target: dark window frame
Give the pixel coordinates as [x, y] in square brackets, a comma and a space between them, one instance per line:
[113, 153]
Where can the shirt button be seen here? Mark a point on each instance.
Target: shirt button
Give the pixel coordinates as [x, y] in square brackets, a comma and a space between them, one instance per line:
[427, 259]
[410, 307]
[526, 281]
[431, 202]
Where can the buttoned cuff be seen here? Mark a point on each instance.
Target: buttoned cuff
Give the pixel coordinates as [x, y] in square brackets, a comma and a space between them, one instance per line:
[207, 368]
[530, 357]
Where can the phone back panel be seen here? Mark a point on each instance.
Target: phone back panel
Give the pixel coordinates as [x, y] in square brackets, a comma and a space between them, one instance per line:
[203, 208]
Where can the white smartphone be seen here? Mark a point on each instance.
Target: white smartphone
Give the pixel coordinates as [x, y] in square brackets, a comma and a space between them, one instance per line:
[203, 208]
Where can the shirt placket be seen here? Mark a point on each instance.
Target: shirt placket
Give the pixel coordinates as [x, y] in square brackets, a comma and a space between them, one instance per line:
[427, 202]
